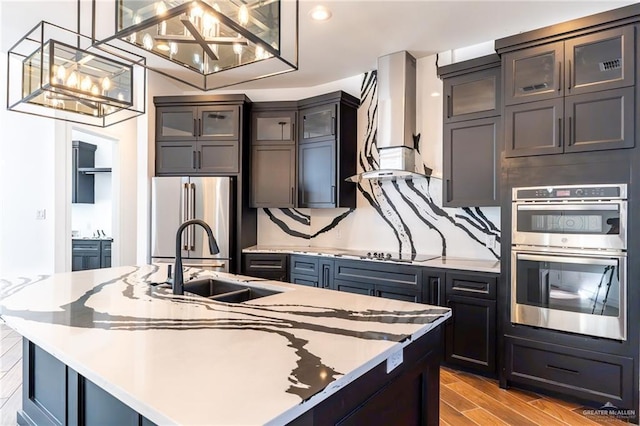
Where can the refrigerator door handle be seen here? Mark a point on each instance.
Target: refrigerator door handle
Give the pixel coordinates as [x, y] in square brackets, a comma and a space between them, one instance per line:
[193, 216]
[185, 214]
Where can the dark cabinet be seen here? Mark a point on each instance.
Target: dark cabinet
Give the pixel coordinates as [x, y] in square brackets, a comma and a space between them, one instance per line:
[472, 132]
[271, 266]
[273, 176]
[588, 375]
[573, 95]
[90, 254]
[474, 94]
[82, 183]
[184, 123]
[387, 280]
[198, 135]
[433, 288]
[470, 334]
[327, 149]
[471, 162]
[311, 271]
[317, 174]
[273, 155]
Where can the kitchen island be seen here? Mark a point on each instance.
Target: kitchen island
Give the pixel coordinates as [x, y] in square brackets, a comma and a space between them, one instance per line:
[106, 345]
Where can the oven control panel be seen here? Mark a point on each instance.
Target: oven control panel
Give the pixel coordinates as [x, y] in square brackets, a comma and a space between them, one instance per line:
[571, 192]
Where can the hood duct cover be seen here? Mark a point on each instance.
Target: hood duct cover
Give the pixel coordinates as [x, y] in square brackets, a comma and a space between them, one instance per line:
[396, 139]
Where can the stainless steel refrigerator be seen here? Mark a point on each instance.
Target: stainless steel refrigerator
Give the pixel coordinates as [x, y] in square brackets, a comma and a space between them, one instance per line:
[177, 199]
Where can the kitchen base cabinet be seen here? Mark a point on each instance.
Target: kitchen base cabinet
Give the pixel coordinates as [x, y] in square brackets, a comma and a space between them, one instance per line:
[589, 376]
[90, 254]
[54, 394]
[470, 334]
[408, 395]
[353, 287]
[266, 265]
[382, 280]
[311, 271]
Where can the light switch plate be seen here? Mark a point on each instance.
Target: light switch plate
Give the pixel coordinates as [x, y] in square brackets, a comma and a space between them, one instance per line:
[41, 214]
[394, 360]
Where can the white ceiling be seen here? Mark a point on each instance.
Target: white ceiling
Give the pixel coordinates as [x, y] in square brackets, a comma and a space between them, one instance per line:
[360, 30]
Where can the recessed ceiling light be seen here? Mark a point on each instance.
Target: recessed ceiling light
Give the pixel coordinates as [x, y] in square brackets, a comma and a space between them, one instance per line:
[320, 13]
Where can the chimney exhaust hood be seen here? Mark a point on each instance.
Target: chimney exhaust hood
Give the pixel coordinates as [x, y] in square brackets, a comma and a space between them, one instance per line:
[396, 139]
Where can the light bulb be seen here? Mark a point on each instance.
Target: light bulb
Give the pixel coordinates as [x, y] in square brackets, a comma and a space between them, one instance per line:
[320, 13]
[147, 41]
[164, 47]
[72, 81]
[161, 8]
[216, 68]
[61, 73]
[106, 84]
[120, 96]
[259, 52]
[95, 91]
[173, 48]
[196, 11]
[196, 58]
[136, 19]
[86, 84]
[208, 21]
[237, 48]
[243, 15]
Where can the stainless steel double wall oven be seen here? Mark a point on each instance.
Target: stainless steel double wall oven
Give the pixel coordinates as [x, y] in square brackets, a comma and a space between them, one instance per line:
[569, 259]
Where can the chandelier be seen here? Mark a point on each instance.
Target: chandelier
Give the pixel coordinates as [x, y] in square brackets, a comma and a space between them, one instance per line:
[64, 76]
[206, 44]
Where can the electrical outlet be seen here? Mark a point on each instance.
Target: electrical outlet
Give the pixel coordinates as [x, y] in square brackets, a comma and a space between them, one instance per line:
[41, 214]
[490, 241]
[394, 360]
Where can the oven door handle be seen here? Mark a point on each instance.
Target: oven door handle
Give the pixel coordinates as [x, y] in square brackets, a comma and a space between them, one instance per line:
[615, 206]
[586, 260]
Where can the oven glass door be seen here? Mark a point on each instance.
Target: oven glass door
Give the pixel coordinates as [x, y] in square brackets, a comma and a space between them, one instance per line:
[588, 225]
[583, 294]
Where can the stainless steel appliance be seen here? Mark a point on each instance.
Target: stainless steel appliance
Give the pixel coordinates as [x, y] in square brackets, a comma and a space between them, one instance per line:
[178, 199]
[569, 260]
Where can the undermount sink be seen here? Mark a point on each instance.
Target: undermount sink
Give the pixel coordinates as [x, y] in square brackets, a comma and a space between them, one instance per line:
[226, 291]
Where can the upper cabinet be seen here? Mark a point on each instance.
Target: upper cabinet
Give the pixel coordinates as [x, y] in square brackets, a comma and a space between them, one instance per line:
[599, 61]
[302, 151]
[572, 95]
[198, 135]
[327, 151]
[472, 94]
[472, 132]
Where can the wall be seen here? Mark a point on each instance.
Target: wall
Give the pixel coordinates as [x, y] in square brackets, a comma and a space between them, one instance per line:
[393, 217]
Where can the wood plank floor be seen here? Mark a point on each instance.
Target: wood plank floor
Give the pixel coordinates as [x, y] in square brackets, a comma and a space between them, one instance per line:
[465, 399]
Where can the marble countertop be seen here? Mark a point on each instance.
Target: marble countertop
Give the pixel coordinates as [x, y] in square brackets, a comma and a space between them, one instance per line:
[265, 361]
[431, 261]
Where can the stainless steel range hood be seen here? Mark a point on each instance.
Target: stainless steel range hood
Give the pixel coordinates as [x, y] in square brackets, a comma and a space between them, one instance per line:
[396, 120]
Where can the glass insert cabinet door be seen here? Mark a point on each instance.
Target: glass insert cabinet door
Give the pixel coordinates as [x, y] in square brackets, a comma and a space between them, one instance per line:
[274, 127]
[176, 123]
[218, 123]
[534, 74]
[319, 122]
[575, 284]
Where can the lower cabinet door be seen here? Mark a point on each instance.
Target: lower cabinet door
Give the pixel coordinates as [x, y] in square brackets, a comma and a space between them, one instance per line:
[534, 128]
[176, 158]
[398, 293]
[593, 376]
[304, 280]
[470, 336]
[273, 176]
[353, 287]
[218, 157]
[317, 174]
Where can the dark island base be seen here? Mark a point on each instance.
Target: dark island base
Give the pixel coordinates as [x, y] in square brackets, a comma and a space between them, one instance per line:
[55, 394]
[408, 395]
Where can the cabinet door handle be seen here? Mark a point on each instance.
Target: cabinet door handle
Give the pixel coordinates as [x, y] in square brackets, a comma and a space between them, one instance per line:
[195, 127]
[199, 159]
[325, 276]
[449, 113]
[560, 132]
[435, 291]
[333, 194]
[570, 140]
[193, 160]
[569, 69]
[448, 189]
[293, 131]
[199, 127]
[293, 195]
[333, 125]
[559, 76]
[565, 370]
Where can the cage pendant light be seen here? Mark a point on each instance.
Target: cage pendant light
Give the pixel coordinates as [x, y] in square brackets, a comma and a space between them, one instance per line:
[206, 44]
[57, 73]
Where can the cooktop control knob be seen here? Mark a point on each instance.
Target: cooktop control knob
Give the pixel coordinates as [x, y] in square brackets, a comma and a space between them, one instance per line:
[369, 254]
[388, 256]
[579, 192]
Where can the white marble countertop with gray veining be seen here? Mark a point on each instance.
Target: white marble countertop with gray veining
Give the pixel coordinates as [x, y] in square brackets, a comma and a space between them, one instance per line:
[190, 360]
[431, 261]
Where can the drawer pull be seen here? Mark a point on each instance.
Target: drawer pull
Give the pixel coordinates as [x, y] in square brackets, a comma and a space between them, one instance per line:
[565, 370]
[477, 288]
